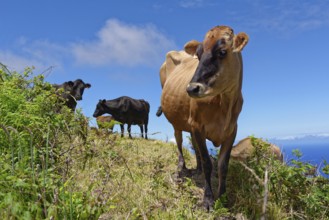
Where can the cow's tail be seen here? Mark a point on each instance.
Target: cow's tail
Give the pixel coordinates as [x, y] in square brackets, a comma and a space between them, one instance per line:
[159, 112]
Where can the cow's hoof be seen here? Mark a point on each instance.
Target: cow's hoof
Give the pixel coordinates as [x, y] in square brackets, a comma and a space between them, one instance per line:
[208, 204]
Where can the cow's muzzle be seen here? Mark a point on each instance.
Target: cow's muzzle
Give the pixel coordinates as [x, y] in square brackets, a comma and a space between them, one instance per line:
[196, 90]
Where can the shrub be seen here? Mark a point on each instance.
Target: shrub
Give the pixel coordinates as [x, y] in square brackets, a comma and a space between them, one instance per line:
[36, 131]
[288, 194]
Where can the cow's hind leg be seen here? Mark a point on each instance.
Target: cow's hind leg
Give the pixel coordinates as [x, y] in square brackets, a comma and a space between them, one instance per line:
[142, 130]
[200, 140]
[129, 130]
[181, 161]
[145, 126]
[223, 162]
[122, 129]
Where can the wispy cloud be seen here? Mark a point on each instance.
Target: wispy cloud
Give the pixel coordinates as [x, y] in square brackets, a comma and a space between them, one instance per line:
[301, 136]
[116, 43]
[125, 44]
[285, 16]
[16, 62]
[40, 54]
[192, 3]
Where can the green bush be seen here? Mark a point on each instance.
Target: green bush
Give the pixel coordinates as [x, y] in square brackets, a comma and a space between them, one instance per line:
[36, 133]
[291, 192]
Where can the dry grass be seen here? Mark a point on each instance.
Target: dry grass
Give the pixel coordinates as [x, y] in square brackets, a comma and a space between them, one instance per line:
[136, 179]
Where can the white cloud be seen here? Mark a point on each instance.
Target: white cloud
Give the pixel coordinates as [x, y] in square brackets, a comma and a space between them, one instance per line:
[16, 62]
[284, 16]
[191, 3]
[40, 54]
[116, 43]
[301, 136]
[121, 43]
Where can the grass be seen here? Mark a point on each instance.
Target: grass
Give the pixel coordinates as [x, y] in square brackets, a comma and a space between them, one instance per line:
[136, 178]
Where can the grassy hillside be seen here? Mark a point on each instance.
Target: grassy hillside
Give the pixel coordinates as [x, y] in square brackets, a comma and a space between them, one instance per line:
[53, 166]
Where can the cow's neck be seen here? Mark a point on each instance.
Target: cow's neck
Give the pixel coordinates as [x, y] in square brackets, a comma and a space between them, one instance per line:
[112, 110]
[231, 103]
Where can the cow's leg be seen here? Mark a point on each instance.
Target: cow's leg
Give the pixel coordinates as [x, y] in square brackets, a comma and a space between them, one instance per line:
[145, 126]
[223, 162]
[197, 155]
[142, 130]
[122, 129]
[200, 140]
[129, 130]
[179, 141]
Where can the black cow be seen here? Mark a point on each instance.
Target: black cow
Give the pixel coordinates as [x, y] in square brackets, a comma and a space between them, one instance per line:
[127, 111]
[73, 92]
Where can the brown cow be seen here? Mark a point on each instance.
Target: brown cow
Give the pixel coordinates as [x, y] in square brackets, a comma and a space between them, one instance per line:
[105, 122]
[202, 95]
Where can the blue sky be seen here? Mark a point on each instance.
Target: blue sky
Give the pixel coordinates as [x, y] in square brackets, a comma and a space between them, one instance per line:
[119, 46]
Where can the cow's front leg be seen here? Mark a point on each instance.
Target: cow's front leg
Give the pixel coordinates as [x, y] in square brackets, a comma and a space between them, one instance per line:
[200, 141]
[223, 162]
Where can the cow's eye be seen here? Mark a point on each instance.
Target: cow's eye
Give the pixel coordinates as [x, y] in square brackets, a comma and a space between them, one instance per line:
[221, 53]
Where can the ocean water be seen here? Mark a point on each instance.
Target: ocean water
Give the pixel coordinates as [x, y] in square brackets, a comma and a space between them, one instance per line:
[314, 154]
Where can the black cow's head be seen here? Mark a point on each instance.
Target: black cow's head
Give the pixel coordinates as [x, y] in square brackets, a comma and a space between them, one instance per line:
[100, 108]
[67, 87]
[220, 63]
[78, 88]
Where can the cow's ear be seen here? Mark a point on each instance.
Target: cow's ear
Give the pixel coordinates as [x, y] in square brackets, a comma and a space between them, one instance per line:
[87, 85]
[191, 46]
[103, 101]
[240, 40]
[70, 83]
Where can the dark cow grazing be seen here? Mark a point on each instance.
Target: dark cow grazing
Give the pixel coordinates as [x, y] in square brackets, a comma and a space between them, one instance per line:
[202, 95]
[127, 111]
[72, 92]
[105, 123]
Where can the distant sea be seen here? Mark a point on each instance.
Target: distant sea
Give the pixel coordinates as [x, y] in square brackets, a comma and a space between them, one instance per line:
[315, 153]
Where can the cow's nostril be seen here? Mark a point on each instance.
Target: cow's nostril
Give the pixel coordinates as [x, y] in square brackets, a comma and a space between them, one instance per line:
[195, 89]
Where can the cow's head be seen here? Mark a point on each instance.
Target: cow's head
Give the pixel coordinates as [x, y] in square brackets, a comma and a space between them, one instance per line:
[219, 65]
[68, 87]
[78, 89]
[100, 108]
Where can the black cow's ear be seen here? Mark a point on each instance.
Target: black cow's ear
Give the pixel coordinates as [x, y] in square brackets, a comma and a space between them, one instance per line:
[87, 85]
[70, 83]
[103, 101]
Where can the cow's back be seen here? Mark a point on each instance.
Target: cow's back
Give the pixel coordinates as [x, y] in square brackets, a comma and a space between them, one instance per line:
[173, 60]
[132, 111]
[175, 101]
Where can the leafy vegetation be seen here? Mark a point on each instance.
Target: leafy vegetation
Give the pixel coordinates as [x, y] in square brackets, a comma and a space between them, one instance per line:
[53, 166]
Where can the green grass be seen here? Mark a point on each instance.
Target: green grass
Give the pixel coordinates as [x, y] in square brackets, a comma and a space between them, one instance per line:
[136, 178]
